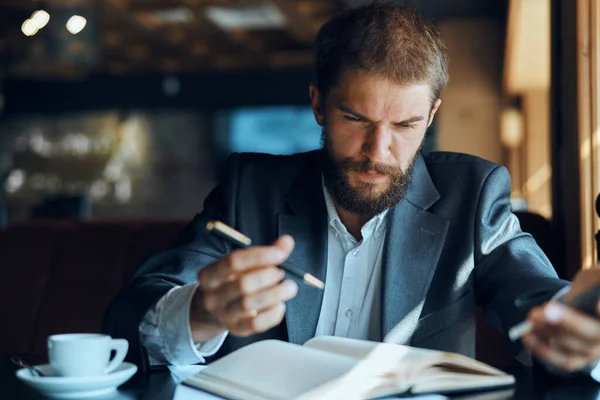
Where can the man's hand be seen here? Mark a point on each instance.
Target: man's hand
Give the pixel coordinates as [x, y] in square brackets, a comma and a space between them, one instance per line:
[562, 336]
[243, 292]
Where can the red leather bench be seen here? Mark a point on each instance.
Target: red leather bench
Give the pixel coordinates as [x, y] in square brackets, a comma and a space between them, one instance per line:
[60, 276]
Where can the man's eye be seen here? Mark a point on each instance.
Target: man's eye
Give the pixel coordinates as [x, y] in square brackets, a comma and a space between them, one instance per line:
[406, 126]
[351, 118]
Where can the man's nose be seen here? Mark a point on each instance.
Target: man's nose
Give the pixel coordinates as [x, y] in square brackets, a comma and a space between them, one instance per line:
[377, 145]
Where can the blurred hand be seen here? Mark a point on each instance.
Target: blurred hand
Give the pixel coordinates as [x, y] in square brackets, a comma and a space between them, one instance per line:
[562, 336]
[243, 293]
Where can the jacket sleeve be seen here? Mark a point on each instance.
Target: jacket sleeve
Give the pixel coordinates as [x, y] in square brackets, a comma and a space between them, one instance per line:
[178, 265]
[512, 273]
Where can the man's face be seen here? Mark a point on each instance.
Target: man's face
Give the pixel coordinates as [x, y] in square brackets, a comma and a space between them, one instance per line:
[373, 129]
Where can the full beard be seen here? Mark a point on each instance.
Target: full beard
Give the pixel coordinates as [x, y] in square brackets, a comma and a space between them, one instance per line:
[365, 200]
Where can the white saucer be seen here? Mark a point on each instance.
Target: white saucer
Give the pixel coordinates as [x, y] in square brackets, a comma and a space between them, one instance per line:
[76, 387]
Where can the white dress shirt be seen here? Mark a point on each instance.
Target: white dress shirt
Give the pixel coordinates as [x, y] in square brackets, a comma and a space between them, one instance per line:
[352, 299]
[166, 334]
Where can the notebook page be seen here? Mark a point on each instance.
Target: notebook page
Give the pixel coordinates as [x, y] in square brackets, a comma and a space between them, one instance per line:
[275, 370]
[361, 349]
[378, 367]
[357, 349]
[408, 364]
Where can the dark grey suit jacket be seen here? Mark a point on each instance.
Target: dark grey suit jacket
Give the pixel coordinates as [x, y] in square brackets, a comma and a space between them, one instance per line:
[451, 244]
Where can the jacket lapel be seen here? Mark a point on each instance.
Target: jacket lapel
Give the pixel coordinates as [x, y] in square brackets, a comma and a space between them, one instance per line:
[307, 224]
[414, 241]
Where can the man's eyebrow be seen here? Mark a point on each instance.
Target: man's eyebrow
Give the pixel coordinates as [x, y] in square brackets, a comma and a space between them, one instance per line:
[410, 120]
[354, 113]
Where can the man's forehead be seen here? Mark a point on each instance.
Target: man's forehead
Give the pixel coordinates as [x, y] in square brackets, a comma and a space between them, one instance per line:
[380, 100]
[358, 83]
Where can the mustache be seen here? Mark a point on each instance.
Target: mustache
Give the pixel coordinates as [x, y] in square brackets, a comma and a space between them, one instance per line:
[369, 166]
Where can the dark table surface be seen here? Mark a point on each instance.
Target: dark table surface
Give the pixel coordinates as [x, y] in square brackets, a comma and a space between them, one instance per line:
[160, 385]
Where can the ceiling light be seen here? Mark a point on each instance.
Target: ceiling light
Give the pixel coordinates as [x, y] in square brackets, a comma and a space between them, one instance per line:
[75, 24]
[40, 18]
[174, 15]
[29, 28]
[247, 17]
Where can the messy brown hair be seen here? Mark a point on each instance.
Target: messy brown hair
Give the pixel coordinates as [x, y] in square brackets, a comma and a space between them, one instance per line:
[382, 39]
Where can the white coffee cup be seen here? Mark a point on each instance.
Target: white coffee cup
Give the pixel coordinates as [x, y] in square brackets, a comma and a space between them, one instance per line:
[85, 354]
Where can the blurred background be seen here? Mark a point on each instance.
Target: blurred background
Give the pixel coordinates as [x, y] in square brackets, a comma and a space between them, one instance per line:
[126, 109]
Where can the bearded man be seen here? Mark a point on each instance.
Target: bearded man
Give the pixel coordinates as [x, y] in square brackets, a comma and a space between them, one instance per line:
[407, 244]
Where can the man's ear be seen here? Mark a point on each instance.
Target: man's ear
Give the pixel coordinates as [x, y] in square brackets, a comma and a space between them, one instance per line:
[434, 109]
[317, 104]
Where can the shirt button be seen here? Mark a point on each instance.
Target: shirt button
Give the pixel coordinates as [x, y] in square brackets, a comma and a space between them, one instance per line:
[355, 253]
[348, 313]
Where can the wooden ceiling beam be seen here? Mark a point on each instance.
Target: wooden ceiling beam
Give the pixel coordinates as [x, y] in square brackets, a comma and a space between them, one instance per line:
[211, 30]
[125, 19]
[35, 5]
[282, 59]
[128, 45]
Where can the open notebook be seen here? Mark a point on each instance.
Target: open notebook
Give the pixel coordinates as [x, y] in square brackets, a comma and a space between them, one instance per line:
[330, 367]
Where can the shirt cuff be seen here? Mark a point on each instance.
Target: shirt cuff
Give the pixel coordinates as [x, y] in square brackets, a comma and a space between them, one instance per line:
[165, 331]
[208, 348]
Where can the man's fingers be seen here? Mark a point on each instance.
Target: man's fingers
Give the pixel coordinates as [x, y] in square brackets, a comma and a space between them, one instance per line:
[261, 322]
[243, 290]
[564, 337]
[554, 356]
[285, 243]
[257, 302]
[239, 261]
[568, 343]
[572, 345]
[246, 284]
[563, 320]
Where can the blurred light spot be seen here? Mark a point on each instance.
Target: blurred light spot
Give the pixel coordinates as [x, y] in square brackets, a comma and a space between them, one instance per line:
[76, 23]
[123, 190]
[511, 128]
[16, 180]
[175, 15]
[76, 143]
[265, 16]
[29, 28]
[99, 189]
[40, 18]
[113, 172]
[40, 145]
